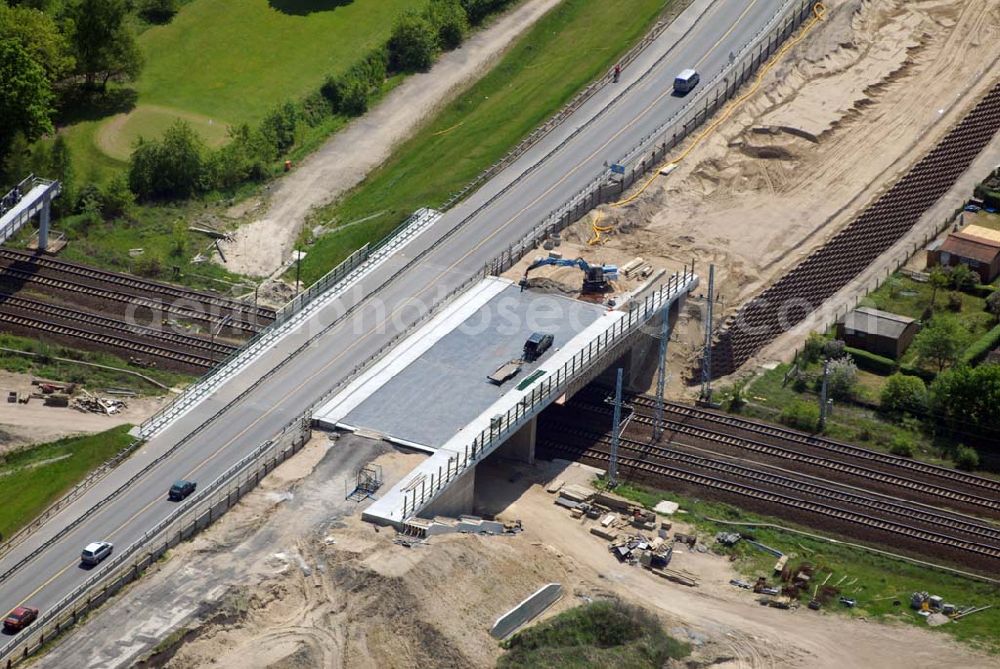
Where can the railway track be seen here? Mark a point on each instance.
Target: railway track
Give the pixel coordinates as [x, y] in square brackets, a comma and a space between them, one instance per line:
[875, 504]
[119, 342]
[263, 315]
[734, 425]
[132, 301]
[923, 536]
[778, 452]
[8, 302]
[854, 248]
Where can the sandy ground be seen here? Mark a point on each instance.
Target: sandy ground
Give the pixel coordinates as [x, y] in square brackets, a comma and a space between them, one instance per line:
[292, 578]
[33, 423]
[796, 162]
[259, 248]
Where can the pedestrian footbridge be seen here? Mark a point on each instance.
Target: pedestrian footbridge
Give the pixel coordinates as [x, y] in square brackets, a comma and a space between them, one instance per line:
[31, 197]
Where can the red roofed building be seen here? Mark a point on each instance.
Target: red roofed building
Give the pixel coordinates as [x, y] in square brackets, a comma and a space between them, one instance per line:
[975, 246]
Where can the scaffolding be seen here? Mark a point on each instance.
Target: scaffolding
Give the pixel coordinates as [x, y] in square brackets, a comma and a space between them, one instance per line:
[367, 482]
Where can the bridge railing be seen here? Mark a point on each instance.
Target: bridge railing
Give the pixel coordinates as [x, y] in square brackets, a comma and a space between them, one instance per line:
[300, 308]
[126, 565]
[547, 389]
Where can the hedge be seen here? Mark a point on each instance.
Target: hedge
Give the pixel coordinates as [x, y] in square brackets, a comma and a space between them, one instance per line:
[981, 347]
[870, 362]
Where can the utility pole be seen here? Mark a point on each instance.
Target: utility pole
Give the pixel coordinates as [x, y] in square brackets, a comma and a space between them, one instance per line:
[298, 268]
[822, 396]
[613, 468]
[706, 359]
[661, 379]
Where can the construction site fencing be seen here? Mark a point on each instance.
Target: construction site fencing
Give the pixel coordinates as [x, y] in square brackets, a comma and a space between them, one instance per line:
[502, 426]
[203, 508]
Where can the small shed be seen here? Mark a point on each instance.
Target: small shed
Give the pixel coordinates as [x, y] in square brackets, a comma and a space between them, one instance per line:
[878, 332]
[975, 246]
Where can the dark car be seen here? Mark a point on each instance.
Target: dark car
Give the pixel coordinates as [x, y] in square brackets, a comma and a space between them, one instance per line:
[20, 618]
[181, 489]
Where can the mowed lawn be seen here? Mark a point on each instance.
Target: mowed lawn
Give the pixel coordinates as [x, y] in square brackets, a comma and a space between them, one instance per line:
[233, 60]
[224, 62]
[572, 45]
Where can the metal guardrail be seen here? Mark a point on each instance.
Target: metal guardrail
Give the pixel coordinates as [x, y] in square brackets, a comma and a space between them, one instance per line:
[351, 269]
[596, 192]
[546, 390]
[186, 520]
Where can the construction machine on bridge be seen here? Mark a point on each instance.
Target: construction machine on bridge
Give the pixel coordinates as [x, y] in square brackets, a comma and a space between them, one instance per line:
[596, 278]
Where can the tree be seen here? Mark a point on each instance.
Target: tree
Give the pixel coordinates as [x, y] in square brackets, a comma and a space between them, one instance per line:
[968, 396]
[40, 37]
[449, 20]
[412, 44]
[938, 279]
[903, 394]
[116, 198]
[157, 11]
[61, 168]
[172, 167]
[940, 342]
[477, 10]
[842, 377]
[105, 47]
[25, 96]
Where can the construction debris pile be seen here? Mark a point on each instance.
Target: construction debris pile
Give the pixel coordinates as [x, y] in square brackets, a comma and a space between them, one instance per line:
[937, 611]
[634, 535]
[56, 394]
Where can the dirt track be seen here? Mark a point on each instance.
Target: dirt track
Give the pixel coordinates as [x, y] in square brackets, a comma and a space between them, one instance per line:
[799, 159]
[262, 246]
[291, 578]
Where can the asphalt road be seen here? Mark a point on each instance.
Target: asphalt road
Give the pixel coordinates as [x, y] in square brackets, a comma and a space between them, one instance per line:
[603, 130]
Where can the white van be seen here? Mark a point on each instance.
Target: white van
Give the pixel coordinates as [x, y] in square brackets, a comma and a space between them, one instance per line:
[686, 81]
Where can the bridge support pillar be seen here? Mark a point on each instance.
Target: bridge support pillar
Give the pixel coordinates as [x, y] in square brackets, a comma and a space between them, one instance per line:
[459, 498]
[521, 445]
[43, 222]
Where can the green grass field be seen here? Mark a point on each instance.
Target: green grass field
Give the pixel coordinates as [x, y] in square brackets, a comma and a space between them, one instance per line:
[571, 46]
[874, 580]
[222, 62]
[35, 477]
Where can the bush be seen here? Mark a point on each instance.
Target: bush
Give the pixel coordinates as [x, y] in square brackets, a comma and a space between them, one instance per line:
[171, 167]
[449, 21]
[993, 304]
[960, 277]
[966, 458]
[841, 379]
[954, 302]
[412, 44]
[477, 10]
[834, 348]
[876, 364]
[801, 415]
[903, 394]
[278, 128]
[902, 446]
[117, 199]
[813, 348]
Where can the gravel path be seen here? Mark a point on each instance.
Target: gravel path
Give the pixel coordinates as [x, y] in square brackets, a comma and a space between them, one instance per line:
[346, 158]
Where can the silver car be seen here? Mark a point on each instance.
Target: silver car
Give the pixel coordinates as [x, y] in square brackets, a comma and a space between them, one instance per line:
[96, 551]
